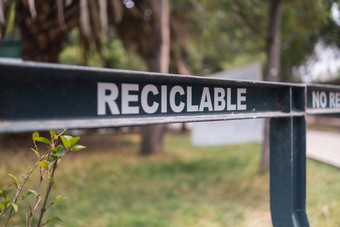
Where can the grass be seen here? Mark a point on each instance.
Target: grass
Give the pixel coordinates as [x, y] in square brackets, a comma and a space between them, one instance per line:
[109, 185]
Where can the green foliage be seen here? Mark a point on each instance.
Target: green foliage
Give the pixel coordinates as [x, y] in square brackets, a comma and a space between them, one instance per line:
[51, 179]
[54, 220]
[302, 25]
[59, 199]
[113, 53]
[28, 193]
[77, 147]
[57, 153]
[10, 30]
[43, 164]
[47, 163]
[226, 33]
[14, 180]
[4, 192]
[4, 204]
[53, 134]
[15, 207]
[69, 141]
[37, 138]
[221, 32]
[36, 152]
[219, 35]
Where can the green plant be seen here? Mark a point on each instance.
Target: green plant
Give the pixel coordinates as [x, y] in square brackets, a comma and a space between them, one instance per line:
[47, 163]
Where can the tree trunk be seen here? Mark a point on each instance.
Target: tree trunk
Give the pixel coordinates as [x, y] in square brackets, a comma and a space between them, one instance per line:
[158, 61]
[272, 68]
[43, 32]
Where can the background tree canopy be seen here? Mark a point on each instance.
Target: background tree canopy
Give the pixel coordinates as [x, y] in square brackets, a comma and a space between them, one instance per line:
[207, 36]
[213, 36]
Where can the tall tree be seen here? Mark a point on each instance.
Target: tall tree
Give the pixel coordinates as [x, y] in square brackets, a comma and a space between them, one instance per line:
[294, 29]
[272, 68]
[158, 61]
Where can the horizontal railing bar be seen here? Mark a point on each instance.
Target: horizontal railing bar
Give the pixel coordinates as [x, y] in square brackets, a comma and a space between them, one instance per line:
[322, 111]
[43, 96]
[43, 125]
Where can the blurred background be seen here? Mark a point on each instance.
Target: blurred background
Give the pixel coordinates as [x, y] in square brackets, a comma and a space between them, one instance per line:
[180, 175]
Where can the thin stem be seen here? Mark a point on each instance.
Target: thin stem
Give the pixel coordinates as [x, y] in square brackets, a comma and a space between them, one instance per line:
[37, 200]
[9, 217]
[49, 187]
[33, 211]
[62, 132]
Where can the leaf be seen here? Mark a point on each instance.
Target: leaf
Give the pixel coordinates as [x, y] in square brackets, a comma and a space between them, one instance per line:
[31, 191]
[60, 151]
[52, 133]
[43, 140]
[66, 141]
[51, 179]
[5, 192]
[35, 135]
[15, 206]
[59, 199]
[54, 219]
[77, 147]
[50, 165]
[38, 138]
[14, 180]
[36, 152]
[43, 164]
[74, 140]
[57, 153]
[5, 203]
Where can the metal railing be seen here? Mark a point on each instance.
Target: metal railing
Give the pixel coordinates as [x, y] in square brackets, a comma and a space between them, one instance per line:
[40, 96]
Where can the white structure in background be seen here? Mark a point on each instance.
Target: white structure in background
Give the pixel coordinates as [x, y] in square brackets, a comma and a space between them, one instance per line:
[324, 64]
[231, 132]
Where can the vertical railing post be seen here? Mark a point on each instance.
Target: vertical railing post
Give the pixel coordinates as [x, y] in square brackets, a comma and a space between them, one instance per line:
[288, 172]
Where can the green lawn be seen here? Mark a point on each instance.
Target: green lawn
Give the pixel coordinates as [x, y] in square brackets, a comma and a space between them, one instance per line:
[109, 185]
